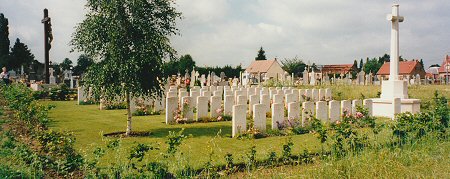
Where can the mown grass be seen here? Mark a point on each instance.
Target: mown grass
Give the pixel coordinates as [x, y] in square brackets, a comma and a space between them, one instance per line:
[88, 124]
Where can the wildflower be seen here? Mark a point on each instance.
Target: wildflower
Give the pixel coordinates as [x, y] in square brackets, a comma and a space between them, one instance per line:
[338, 122]
[359, 115]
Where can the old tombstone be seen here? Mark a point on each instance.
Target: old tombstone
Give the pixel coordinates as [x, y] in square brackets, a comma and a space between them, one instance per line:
[187, 108]
[228, 105]
[307, 112]
[301, 95]
[367, 103]
[216, 106]
[322, 111]
[171, 106]
[328, 95]
[321, 94]
[334, 110]
[253, 99]
[278, 98]
[346, 107]
[202, 107]
[315, 95]
[239, 119]
[294, 111]
[241, 99]
[308, 95]
[277, 115]
[259, 117]
[265, 99]
[194, 94]
[82, 97]
[355, 104]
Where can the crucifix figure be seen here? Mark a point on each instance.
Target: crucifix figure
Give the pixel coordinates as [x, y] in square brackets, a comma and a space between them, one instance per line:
[48, 38]
[395, 18]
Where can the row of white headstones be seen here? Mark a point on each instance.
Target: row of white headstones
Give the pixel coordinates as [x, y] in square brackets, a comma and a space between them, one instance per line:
[256, 101]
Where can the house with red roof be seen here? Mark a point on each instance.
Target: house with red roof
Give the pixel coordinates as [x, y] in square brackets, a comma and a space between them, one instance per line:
[445, 66]
[406, 68]
[267, 69]
[339, 69]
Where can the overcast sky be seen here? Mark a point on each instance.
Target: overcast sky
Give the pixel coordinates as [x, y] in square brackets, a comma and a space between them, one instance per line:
[220, 32]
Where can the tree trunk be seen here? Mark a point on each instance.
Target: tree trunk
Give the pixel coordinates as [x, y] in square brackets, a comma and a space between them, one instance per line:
[128, 115]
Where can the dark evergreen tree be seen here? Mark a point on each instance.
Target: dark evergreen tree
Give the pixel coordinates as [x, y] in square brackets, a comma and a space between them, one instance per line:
[66, 64]
[4, 40]
[83, 63]
[261, 55]
[421, 63]
[361, 65]
[355, 63]
[20, 55]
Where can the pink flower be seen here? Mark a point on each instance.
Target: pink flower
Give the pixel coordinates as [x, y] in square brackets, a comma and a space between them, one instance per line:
[338, 122]
[359, 115]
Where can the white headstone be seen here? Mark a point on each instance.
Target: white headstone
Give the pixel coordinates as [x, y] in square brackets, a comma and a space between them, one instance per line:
[216, 104]
[259, 117]
[239, 119]
[171, 106]
[346, 107]
[277, 115]
[369, 106]
[228, 104]
[294, 111]
[187, 108]
[356, 103]
[202, 107]
[307, 112]
[265, 99]
[334, 110]
[322, 111]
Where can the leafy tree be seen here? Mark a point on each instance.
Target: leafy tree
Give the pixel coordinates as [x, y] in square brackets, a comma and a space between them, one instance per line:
[261, 55]
[186, 62]
[294, 65]
[384, 58]
[421, 63]
[372, 65]
[4, 40]
[20, 55]
[83, 63]
[129, 38]
[66, 64]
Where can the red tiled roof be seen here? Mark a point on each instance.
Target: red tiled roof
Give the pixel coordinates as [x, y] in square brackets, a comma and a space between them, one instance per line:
[405, 67]
[444, 63]
[341, 68]
[261, 66]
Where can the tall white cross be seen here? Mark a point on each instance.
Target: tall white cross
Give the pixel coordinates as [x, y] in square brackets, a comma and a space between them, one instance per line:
[395, 18]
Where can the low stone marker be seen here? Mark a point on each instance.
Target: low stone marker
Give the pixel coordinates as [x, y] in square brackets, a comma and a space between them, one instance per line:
[171, 106]
[322, 111]
[334, 110]
[259, 117]
[253, 99]
[355, 104]
[277, 115]
[187, 108]
[228, 105]
[216, 104]
[239, 119]
[307, 112]
[202, 107]
[346, 107]
[294, 111]
[265, 99]
[368, 104]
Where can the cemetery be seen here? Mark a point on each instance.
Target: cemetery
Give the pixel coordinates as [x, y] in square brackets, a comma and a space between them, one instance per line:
[128, 115]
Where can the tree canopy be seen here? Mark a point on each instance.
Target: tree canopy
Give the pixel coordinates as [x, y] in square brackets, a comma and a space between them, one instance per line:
[20, 55]
[83, 63]
[66, 64]
[261, 55]
[129, 39]
[4, 40]
[294, 65]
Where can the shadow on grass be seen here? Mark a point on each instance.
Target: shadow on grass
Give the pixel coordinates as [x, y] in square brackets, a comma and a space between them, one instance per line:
[195, 131]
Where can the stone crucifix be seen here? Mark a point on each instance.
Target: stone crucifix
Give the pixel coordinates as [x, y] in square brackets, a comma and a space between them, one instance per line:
[395, 18]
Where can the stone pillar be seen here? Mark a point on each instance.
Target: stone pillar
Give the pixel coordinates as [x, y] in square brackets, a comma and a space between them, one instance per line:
[259, 117]
[239, 119]
[322, 111]
[307, 112]
[356, 103]
[368, 105]
[334, 110]
[346, 107]
[202, 107]
[188, 109]
[171, 106]
[277, 115]
[293, 111]
[228, 105]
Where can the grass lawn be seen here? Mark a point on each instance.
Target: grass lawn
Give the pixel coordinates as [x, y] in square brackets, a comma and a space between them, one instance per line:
[88, 124]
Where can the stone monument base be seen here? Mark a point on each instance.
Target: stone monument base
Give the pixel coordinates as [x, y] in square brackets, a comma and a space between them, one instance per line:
[391, 89]
[386, 108]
